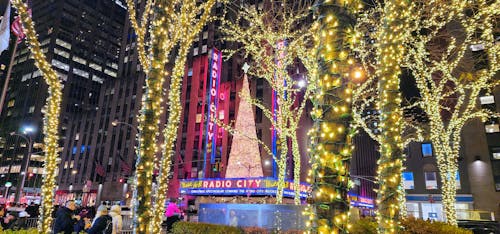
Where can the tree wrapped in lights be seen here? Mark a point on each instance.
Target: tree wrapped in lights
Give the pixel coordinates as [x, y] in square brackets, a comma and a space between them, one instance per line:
[331, 150]
[276, 39]
[173, 27]
[454, 59]
[51, 119]
[381, 55]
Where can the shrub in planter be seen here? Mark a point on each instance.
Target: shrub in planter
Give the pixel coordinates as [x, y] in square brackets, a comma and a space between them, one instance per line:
[364, 226]
[419, 226]
[255, 230]
[27, 231]
[203, 228]
[410, 226]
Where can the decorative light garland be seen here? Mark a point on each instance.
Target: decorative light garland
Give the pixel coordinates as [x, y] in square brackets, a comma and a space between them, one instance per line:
[448, 85]
[259, 41]
[175, 23]
[331, 150]
[390, 53]
[51, 119]
[190, 27]
[151, 109]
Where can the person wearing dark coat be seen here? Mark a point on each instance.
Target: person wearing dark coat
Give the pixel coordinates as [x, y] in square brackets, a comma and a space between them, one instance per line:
[65, 220]
[103, 223]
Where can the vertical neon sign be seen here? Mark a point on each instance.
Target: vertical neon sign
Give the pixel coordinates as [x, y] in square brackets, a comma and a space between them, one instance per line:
[213, 93]
[280, 48]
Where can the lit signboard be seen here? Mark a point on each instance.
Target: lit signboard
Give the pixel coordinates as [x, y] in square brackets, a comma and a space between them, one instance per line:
[359, 201]
[213, 94]
[239, 187]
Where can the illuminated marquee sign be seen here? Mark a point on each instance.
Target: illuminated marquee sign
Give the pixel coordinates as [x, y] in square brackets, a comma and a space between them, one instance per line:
[236, 186]
[213, 94]
[359, 201]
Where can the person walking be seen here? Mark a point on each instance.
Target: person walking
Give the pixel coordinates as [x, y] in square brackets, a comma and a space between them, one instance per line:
[65, 219]
[116, 215]
[103, 223]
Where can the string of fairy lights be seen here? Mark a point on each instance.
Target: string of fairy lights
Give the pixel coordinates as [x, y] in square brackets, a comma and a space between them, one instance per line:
[174, 23]
[149, 119]
[190, 28]
[331, 148]
[390, 53]
[450, 99]
[51, 119]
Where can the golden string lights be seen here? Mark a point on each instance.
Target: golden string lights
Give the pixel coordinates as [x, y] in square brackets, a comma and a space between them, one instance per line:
[450, 78]
[190, 27]
[273, 50]
[51, 119]
[174, 24]
[330, 152]
[389, 55]
[151, 109]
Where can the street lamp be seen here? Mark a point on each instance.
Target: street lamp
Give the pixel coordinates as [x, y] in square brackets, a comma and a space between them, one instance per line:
[138, 152]
[26, 160]
[7, 186]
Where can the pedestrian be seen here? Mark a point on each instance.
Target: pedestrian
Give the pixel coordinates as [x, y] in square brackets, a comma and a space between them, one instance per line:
[233, 219]
[65, 219]
[115, 213]
[173, 215]
[84, 223]
[103, 223]
[32, 210]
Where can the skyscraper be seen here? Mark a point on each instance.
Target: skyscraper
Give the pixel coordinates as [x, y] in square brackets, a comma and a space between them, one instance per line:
[82, 42]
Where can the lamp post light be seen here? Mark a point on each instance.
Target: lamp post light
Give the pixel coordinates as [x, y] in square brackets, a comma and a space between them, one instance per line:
[138, 153]
[7, 186]
[26, 161]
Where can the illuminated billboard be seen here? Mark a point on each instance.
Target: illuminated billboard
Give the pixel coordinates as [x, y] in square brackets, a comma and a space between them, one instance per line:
[213, 94]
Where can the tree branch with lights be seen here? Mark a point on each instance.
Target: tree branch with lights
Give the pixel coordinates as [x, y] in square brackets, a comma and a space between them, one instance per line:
[172, 30]
[454, 61]
[277, 39]
[51, 118]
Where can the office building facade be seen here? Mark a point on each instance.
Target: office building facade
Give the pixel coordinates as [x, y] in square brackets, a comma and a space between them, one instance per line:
[82, 42]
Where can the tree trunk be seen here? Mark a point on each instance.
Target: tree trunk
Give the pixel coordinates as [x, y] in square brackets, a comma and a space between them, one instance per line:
[390, 54]
[296, 169]
[170, 136]
[149, 127]
[330, 151]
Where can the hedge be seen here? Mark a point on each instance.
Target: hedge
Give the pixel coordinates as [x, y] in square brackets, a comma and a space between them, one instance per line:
[410, 226]
[25, 231]
[203, 228]
[362, 226]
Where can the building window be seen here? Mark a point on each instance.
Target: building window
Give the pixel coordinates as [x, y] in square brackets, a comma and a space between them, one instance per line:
[110, 72]
[485, 100]
[63, 44]
[492, 128]
[457, 179]
[95, 66]
[81, 73]
[426, 150]
[60, 65]
[430, 180]
[496, 153]
[408, 181]
[61, 53]
[31, 109]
